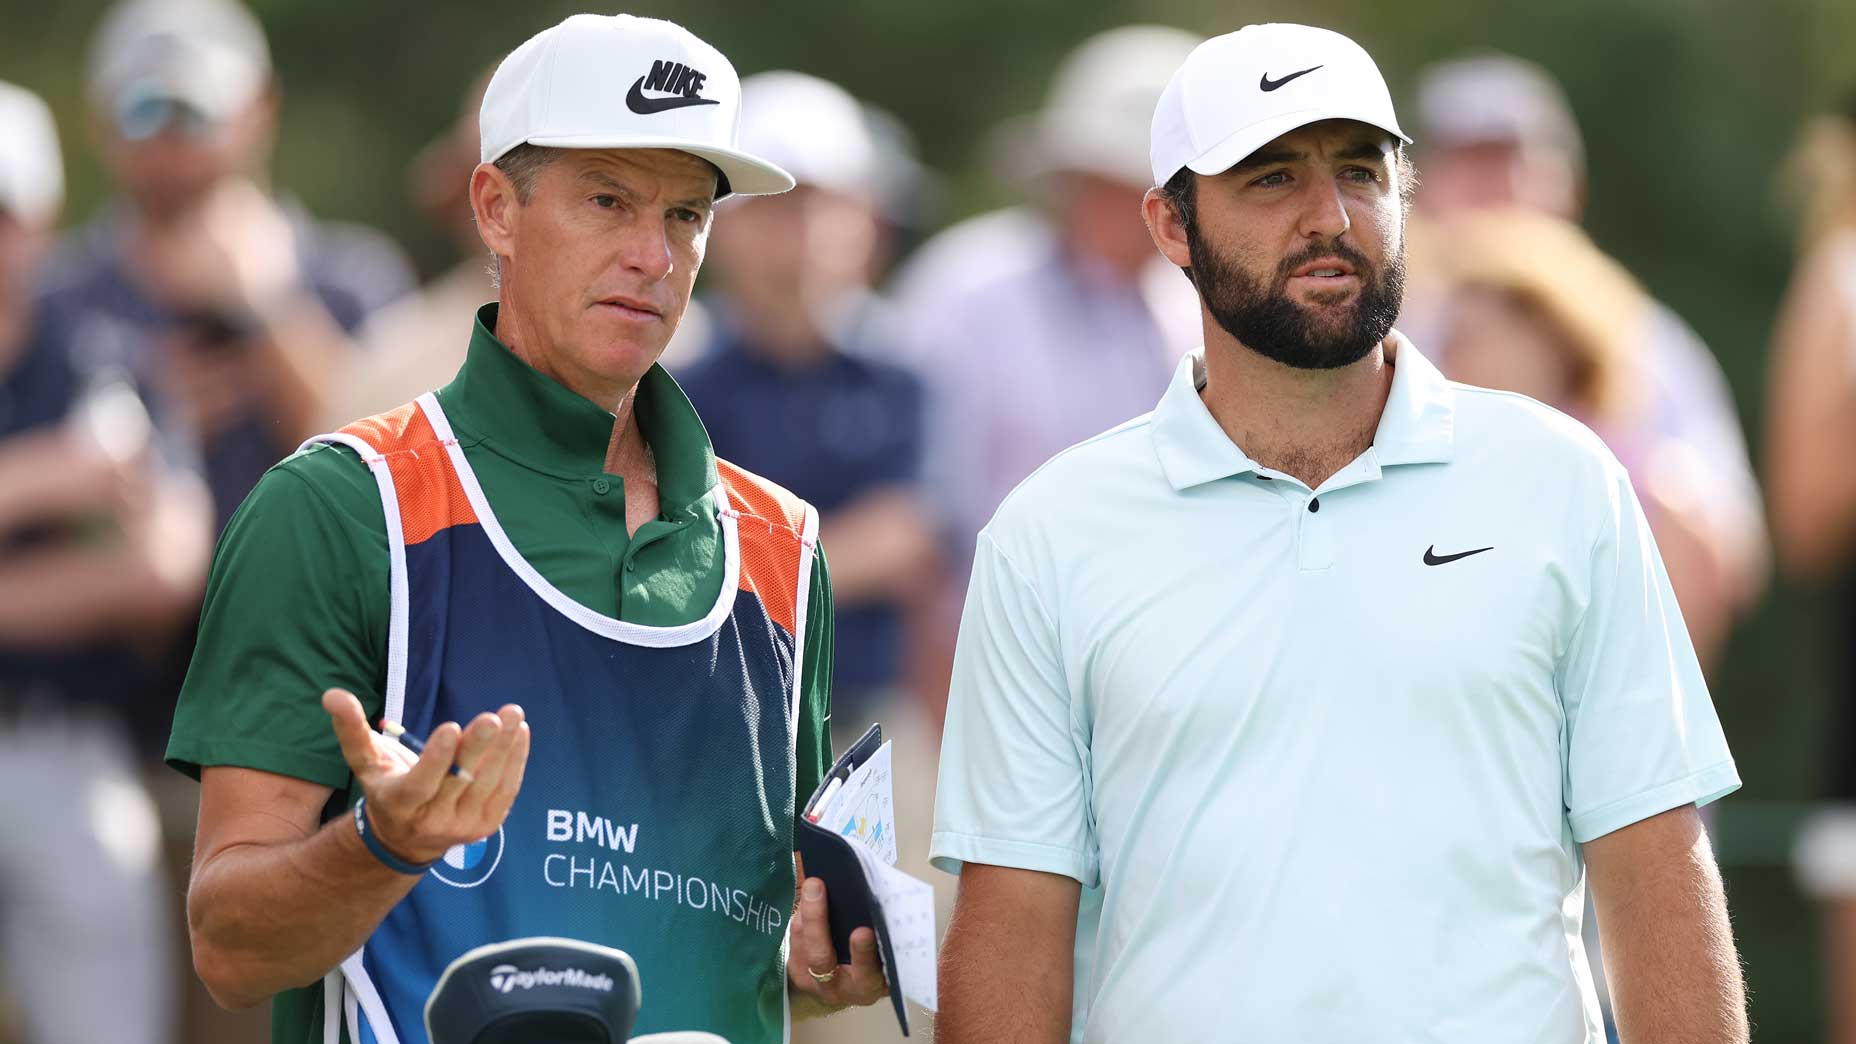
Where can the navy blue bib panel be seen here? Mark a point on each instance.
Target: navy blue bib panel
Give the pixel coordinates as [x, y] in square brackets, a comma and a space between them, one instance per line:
[656, 812]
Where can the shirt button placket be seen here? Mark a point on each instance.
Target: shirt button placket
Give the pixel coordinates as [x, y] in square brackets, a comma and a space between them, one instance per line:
[1315, 535]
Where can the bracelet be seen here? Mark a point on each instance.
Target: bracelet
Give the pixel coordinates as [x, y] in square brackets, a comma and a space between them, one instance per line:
[387, 858]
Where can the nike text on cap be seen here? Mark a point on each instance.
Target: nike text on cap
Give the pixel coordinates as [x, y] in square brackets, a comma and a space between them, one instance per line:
[1239, 91]
[618, 81]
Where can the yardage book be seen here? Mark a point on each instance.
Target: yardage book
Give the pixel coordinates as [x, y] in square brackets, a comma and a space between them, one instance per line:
[847, 838]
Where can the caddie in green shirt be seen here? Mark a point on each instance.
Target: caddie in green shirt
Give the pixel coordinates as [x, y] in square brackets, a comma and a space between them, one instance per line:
[548, 551]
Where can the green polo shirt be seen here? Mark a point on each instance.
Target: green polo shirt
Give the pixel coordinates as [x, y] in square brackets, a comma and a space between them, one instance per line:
[297, 601]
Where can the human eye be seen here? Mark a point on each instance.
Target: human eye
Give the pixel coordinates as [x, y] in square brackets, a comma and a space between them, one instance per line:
[606, 201]
[687, 216]
[1361, 175]
[1273, 179]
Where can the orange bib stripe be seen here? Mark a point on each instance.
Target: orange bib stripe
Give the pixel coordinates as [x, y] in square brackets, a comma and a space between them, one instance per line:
[430, 496]
[772, 527]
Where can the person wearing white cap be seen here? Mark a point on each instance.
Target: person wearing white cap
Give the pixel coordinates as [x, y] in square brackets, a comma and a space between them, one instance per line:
[31, 195]
[552, 527]
[1337, 678]
[104, 540]
[239, 301]
[1039, 325]
[1498, 131]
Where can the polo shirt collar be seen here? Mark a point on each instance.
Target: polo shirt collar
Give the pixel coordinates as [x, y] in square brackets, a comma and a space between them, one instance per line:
[1417, 426]
[529, 418]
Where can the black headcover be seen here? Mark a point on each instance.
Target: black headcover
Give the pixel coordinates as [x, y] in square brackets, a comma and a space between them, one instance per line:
[562, 991]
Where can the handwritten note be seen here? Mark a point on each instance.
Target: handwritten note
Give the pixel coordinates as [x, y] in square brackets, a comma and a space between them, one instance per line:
[908, 911]
[864, 809]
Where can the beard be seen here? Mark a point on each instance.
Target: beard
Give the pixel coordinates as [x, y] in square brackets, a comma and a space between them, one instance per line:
[1267, 322]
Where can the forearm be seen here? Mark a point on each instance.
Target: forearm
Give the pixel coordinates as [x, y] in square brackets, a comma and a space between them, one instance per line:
[304, 345]
[1006, 971]
[267, 917]
[882, 548]
[1811, 415]
[71, 595]
[43, 479]
[1669, 951]
[143, 582]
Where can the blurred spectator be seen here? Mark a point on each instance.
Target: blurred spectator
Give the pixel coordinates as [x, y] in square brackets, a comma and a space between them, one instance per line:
[103, 552]
[1041, 326]
[416, 344]
[907, 194]
[793, 388]
[786, 395]
[238, 300]
[1811, 427]
[1494, 130]
[1536, 308]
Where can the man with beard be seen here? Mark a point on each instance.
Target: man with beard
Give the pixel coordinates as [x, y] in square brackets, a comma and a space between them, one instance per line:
[1332, 677]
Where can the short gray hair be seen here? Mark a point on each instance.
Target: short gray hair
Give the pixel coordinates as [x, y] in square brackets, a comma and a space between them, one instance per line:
[521, 165]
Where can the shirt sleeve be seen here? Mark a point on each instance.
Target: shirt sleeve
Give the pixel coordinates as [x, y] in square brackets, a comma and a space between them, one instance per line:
[1014, 781]
[1642, 735]
[296, 603]
[813, 743]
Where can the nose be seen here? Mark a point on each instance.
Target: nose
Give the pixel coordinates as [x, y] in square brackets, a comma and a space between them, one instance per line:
[1324, 211]
[646, 250]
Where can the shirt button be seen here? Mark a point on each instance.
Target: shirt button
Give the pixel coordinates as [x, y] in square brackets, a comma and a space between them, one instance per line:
[602, 487]
[1314, 504]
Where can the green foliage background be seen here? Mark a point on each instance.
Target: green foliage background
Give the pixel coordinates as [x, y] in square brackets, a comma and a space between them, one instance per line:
[1687, 106]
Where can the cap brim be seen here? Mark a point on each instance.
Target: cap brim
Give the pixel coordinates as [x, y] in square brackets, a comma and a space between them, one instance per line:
[1232, 150]
[748, 175]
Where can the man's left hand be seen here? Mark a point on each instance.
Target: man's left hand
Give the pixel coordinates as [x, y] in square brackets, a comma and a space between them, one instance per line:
[812, 964]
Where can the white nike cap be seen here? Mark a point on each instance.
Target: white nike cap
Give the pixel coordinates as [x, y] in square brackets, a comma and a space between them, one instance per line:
[1239, 91]
[618, 81]
[31, 175]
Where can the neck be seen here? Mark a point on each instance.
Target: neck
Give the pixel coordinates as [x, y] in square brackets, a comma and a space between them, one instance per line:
[627, 455]
[1304, 423]
[526, 340]
[785, 331]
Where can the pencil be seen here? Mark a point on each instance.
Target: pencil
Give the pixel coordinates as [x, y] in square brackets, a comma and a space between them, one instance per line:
[417, 746]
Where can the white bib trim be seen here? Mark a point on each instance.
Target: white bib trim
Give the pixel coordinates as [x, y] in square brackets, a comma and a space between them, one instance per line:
[598, 623]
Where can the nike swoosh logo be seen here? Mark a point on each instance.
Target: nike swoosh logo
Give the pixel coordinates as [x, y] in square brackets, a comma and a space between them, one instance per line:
[1270, 85]
[643, 106]
[1431, 557]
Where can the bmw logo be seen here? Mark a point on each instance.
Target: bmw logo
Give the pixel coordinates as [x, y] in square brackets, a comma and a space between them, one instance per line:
[467, 866]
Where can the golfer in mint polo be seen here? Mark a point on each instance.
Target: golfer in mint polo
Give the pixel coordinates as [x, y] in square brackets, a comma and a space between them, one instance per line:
[635, 636]
[1335, 683]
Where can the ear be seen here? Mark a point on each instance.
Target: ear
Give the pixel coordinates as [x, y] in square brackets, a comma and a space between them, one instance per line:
[498, 212]
[1166, 228]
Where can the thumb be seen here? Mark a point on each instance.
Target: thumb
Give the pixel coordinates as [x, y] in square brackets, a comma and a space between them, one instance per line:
[352, 732]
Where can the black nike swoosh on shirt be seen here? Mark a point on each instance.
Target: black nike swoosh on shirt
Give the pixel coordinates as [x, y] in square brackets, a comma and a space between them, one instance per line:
[643, 106]
[1431, 557]
[1270, 85]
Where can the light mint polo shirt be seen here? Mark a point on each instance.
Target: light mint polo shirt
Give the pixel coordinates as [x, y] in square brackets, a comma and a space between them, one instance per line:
[1328, 754]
